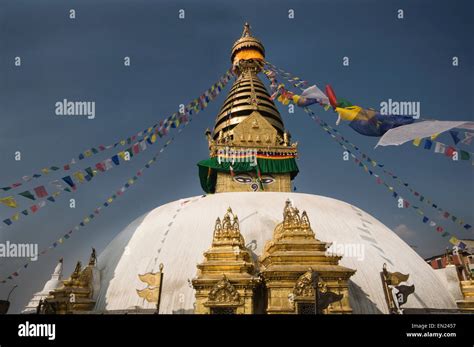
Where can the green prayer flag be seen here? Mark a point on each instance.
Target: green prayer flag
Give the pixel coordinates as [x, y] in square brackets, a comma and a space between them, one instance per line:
[27, 194]
[465, 155]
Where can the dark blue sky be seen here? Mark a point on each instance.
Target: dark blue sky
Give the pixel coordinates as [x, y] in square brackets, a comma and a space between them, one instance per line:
[173, 61]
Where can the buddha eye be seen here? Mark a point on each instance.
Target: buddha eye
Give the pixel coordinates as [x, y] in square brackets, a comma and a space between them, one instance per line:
[267, 179]
[243, 179]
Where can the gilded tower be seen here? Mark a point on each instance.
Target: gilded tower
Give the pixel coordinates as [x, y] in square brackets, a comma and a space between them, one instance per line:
[227, 279]
[294, 265]
[249, 149]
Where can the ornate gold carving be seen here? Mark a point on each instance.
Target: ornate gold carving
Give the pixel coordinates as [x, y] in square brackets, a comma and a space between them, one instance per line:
[293, 224]
[304, 285]
[227, 232]
[226, 277]
[284, 267]
[224, 293]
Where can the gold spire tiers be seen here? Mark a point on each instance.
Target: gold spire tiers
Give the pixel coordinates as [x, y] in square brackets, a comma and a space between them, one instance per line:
[248, 93]
[249, 148]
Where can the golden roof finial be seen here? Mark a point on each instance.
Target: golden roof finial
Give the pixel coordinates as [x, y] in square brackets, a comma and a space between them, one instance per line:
[228, 229]
[251, 46]
[246, 31]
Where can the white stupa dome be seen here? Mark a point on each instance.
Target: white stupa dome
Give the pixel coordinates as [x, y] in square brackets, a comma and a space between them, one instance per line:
[176, 234]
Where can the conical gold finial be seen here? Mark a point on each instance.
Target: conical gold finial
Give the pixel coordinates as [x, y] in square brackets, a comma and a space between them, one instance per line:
[246, 32]
[247, 42]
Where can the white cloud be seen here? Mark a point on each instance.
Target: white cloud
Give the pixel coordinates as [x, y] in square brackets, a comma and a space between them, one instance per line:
[403, 231]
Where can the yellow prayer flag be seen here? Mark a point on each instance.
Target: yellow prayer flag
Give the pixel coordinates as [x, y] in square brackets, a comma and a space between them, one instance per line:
[88, 153]
[122, 155]
[16, 216]
[348, 113]
[454, 240]
[45, 170]
[434, 136]
[60, 240]
[80, 176]
[396, 278]
[9, 201]
[123, 142]
[109, 200]
[416, 142]
[153, 138]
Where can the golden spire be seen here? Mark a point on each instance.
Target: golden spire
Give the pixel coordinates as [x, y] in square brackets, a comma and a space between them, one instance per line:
[248, 93]
[247, 46]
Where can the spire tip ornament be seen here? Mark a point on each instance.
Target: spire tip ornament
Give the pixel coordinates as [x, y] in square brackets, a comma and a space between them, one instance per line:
[247, 47]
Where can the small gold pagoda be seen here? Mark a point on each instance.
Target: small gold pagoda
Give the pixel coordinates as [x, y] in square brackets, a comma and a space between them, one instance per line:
[76, 293]
[249, 149]
[290, 260]
[226, 280]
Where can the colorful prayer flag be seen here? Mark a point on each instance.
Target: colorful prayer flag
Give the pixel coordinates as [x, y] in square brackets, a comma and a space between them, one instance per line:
[69, 181]
[428, 144]
[455, 135]
[439, 147]
[9, 201]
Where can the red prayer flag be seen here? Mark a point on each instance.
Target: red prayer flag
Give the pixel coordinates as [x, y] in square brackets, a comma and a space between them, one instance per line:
[40, 191]
[100, 167]
[450, 151]
[34, 208]
[136, 148]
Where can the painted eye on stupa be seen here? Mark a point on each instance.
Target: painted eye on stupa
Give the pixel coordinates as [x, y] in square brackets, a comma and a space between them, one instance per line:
[243, 178]
[267, 179]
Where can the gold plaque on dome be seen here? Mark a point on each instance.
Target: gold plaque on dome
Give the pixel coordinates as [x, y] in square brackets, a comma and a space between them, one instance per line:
[149, 294]
[152, 279]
